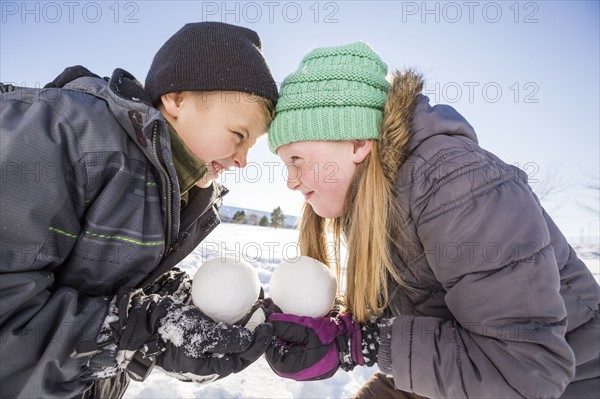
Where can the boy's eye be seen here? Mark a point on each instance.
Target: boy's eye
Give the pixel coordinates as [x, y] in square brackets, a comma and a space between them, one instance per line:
[240, 135]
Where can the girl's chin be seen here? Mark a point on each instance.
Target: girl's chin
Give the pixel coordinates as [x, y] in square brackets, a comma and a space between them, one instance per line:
[325, 213]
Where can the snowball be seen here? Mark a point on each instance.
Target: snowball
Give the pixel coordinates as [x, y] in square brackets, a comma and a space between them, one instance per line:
[303, 286]
[225, 289]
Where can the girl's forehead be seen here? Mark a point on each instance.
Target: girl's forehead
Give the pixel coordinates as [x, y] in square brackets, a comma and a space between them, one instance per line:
[312, 148]
[294, 147]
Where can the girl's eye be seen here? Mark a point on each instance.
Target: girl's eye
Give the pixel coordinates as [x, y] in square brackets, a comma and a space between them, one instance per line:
[295, 160]
[240, 136]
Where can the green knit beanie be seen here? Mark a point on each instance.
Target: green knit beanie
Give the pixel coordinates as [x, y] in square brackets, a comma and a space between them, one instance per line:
[337, 93]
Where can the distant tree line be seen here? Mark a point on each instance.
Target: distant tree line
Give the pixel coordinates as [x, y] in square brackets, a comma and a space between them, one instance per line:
[277, 219]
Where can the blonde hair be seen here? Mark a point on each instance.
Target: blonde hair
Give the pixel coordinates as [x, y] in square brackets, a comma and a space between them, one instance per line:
[368, 228]
[372, 226]
[267, 107]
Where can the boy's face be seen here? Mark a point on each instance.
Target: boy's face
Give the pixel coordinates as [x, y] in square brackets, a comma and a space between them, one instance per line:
[219, 128]
[323, 171]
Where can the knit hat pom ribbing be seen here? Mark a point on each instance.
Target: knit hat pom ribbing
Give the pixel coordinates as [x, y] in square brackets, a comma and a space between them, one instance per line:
[337, 93]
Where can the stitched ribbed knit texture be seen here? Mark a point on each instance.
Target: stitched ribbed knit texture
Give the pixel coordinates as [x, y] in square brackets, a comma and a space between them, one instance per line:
[337, 93]
[384, 355]
[211, 56]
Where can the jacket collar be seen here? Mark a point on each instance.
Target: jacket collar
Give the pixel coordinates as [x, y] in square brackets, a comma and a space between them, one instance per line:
[409, 120]
[188, 168]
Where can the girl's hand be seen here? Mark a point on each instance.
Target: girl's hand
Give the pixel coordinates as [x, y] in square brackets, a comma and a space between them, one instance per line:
[307, 348]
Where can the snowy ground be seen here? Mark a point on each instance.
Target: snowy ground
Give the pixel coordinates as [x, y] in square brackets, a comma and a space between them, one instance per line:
[264, 248]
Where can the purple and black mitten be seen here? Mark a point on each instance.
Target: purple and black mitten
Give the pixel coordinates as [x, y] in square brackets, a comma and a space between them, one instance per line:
[307, 348]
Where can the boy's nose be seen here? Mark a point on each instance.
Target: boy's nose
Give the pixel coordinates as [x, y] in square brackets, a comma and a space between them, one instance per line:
[240, 161]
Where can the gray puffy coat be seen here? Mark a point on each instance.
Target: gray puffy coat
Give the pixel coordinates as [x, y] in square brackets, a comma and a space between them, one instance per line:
[500, 304]
[90, 204]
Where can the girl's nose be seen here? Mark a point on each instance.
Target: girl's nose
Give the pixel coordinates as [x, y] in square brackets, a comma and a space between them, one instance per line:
[293, 177]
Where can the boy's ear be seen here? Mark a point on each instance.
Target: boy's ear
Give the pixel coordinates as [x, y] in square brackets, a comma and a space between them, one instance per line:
[361, 148]
[171, 103]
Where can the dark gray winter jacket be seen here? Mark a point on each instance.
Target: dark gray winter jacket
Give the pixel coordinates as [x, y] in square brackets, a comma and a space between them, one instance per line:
[89, 204]
[500, 305]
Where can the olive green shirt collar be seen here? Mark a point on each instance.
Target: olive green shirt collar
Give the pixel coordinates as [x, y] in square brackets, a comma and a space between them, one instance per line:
[189, 169]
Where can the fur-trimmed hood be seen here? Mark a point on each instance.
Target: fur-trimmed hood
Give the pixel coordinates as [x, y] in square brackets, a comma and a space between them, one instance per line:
[409, 120]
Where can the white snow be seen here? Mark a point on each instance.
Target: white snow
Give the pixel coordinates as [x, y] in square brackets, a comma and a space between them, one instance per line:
[590, 255]
[225, 288]
[264, 248]
[303, 286]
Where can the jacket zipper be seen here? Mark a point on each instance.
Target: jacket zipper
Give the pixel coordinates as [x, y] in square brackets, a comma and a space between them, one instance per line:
[218, 196]
[169, 188]
[149, 279]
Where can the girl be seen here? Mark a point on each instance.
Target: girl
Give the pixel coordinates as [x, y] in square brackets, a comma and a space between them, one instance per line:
[458, 284]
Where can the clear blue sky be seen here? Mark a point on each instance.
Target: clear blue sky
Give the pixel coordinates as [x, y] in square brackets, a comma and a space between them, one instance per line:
[525, 74]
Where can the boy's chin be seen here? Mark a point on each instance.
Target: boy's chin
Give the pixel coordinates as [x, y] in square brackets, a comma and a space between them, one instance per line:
[206, 181]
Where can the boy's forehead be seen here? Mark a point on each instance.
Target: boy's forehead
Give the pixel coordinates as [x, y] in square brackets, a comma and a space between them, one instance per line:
[243, 111]
[252, 116]
[225, 97]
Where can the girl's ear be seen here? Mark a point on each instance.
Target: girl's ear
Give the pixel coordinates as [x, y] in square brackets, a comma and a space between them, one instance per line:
[171, 103]
[361, 148]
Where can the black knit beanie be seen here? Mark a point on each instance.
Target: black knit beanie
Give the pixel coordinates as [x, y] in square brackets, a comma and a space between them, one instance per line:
[211, 56]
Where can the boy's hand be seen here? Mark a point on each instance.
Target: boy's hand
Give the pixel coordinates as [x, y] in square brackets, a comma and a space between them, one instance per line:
[175, 282]
[183, 341]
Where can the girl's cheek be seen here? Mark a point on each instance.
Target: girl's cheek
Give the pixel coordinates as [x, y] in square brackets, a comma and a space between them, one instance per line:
[295, 173]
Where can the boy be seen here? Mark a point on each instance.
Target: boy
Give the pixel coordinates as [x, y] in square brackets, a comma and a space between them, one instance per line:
[88, 290]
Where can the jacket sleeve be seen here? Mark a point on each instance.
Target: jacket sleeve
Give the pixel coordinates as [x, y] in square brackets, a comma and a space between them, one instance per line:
[484, 235]
[41, 322]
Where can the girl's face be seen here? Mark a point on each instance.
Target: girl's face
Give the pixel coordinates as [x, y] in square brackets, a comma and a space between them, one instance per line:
[219, 128]
[322, 171]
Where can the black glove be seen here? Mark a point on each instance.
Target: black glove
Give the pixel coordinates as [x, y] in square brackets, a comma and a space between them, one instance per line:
[183, 341]
[175, 283]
